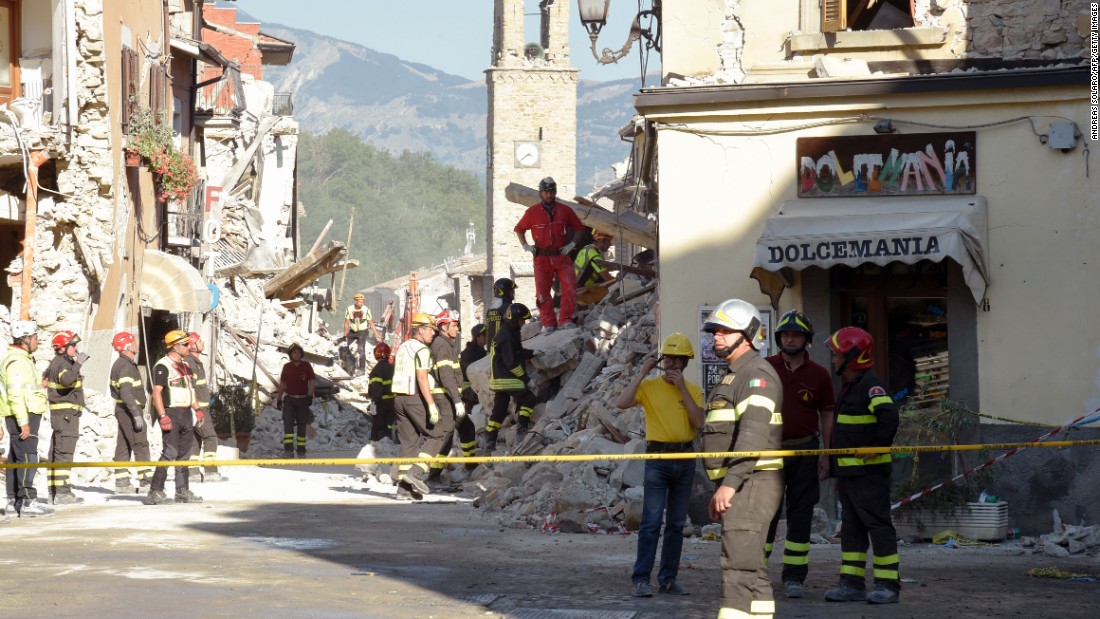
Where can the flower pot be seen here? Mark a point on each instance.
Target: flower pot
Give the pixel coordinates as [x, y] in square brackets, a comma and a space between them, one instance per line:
[133, 159]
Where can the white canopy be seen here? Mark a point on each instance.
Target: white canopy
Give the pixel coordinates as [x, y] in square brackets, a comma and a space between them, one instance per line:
[170, 283]
[825, 232]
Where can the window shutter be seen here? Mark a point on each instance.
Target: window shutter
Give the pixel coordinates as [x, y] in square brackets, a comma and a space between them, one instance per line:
[834, 15]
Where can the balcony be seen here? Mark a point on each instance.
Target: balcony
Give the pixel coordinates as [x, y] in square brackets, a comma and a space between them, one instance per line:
[282, 104]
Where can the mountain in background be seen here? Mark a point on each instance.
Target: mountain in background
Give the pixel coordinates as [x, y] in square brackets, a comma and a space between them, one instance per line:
[397, 105]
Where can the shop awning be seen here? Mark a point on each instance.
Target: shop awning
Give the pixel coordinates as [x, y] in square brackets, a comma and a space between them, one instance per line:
[830, 231]
[170, 283]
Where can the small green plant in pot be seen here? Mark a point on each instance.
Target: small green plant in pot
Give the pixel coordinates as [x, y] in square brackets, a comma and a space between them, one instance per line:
[232, 402]
[147, 134]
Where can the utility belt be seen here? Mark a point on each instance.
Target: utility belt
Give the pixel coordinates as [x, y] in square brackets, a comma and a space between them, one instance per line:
[547, 252]
[802, 440]
[297, 397]
[656, 447]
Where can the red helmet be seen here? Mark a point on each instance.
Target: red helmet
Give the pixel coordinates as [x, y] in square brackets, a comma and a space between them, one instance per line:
[61, 339]
[446, 316]
[193, 339]
[382, 351]
[855, 345]
[122, 340]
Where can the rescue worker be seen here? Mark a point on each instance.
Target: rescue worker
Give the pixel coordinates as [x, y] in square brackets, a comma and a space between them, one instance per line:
[743, 414]
[22, 405]
[380, 389]
[357, 321]
[866, 417]
[297, 381]
[474, 352]
[448, 389]
[807, 416]
[204, 432]
[418, 414]
[130, 400]
[177, 410]
[508, 377]
[554, 227]
[65, 392]
[504, 292]
[673, 415]
[589, 270]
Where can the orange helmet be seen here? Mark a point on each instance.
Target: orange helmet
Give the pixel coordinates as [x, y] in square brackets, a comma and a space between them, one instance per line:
[600, 235]
[122, 340]
[62, 339]
[446, 316]
[382, 351]
[855, 345]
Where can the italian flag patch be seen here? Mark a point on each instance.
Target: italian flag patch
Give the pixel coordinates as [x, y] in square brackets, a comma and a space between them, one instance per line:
[757, 382]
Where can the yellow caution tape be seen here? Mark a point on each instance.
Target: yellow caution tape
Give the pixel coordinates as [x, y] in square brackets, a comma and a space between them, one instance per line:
[778, 453]
[1053, 572]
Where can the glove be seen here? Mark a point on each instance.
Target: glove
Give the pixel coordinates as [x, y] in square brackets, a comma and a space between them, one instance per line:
[309, 401]
[81, 357]
[433, 414]
[199, 417]
[165, 423]
[139, 423]
[460, 410]
[529, 248]
[568, 248]
[279, 404]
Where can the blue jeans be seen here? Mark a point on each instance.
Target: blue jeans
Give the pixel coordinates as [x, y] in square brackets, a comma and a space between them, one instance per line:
[667, 482]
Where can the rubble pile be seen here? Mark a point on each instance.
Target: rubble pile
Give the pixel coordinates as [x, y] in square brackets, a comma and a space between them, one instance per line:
[1065, 539]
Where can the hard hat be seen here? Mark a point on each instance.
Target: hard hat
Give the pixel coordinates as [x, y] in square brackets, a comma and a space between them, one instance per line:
[382, 351]
[23, 328]
[359, 296]
[677, 345]
[61, 339]
[193, 338]
[478, 330]
[517, 312]
[422, 320]
[794, 320]
[855, 345]
[174, 337]
[548, 184]
[600, 235]
[122, 340]
[504, 287]
[737, 315]
[446, 316]
[293, 347]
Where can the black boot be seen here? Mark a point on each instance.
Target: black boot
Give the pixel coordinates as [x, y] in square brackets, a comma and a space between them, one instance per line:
[490, 442]
[521, 427]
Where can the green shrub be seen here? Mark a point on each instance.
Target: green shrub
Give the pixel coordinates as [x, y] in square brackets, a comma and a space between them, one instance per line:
[232, 400]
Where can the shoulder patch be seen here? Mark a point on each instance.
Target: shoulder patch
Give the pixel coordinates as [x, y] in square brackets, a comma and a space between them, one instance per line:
[728, 379]
[876, 391]
[758, 382]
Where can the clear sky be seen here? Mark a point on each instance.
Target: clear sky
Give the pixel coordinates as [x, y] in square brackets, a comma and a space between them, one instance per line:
[454, 36]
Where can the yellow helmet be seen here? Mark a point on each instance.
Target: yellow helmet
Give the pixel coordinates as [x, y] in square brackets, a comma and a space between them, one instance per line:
[175, 336]
[422, 320]
[359, 296]
[677, 345]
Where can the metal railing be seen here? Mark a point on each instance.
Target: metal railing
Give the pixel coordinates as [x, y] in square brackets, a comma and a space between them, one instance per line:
[282, 104]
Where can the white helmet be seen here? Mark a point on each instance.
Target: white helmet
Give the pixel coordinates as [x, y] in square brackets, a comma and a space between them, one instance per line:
[737, 315]
[23, 328]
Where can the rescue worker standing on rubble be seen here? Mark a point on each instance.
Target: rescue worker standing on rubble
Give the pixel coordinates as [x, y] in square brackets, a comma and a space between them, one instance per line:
[206, 440]
[508, 377]
[130, 400]
[418, 414]
[866, 417]
[504, 292]
[673, 416]
[357, 321]
[554, 227]
[743, 414]
[380, 390]
[807, 416]
[65, 392]
[474, 352]
[177, 412]
[22, 406]
[448, 390]
[589, 270]
[297, 382]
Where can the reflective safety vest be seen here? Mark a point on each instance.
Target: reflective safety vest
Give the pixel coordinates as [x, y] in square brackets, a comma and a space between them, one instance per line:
[358, 318]
[180, 390]
[411, 356]
[21, 393]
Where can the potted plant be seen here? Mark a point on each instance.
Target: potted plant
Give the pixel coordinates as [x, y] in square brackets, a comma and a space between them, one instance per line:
[231, 412]
[175, 174]
[147, 135]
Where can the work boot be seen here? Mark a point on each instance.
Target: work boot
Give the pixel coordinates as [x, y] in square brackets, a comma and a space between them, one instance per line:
[288, 453]
[66, 498]
[672, 588]
[565, 326]
[643, 590]
[794, 589]
[123, 487]
[882, 595]
[417, 485]
[213, 476]
[547, 330]
[7, 507]
[846, 591]
[157, 497]
[407, 492]
[490, 442]
[186, 496]
[33, 508]
[144, 485]
[301, 453]
[194, 476]
[521, 427]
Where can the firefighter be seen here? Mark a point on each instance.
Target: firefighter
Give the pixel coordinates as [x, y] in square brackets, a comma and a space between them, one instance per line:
[807, 416]
[380, 389]
[297, 381]
[130, 400]
[448, 391]
[417, 412]
[866, 417]
[507, 376]
[474, 352]
[357, 321]
[743, 414]
[589, 270]
[504, 292]
[22, 405]
[176, 406]
[206, 440]
[65, 392]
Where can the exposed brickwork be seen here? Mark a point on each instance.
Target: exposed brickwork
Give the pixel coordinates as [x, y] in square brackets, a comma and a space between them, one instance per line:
[233, 47]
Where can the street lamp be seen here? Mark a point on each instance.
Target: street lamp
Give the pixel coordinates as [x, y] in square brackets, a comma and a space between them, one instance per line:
[594, 17]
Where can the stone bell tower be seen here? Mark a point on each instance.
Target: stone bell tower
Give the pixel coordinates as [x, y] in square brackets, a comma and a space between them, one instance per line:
[532, 120]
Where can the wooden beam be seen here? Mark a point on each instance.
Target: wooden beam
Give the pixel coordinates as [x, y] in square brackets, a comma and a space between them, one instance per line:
[627, 268]
[306, 271]
[629, 226]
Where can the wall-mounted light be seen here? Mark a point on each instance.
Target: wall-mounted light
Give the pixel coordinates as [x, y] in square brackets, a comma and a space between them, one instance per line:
[594, 17]
[885, 126]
